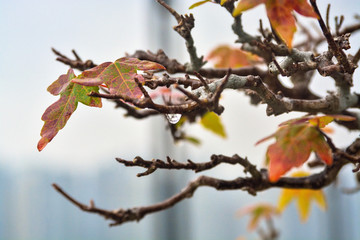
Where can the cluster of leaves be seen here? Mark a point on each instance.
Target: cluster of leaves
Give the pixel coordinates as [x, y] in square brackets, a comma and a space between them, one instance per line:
[57, 114]
[118, 77]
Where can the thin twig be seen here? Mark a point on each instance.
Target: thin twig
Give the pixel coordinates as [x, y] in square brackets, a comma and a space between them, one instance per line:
[338, 52]
[77, 63]
[328, 16]
[190, 165]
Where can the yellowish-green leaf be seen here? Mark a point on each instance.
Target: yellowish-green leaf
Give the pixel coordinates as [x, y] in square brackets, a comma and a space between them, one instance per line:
[212, 122]
[304, 198]
[319, 121]
[193, 140]
[199, 3]
[257, 212]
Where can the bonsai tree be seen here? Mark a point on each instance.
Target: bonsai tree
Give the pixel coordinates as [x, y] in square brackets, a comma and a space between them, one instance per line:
[146, 84]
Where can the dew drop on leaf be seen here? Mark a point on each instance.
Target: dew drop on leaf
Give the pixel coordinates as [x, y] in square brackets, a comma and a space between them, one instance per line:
[173, 118]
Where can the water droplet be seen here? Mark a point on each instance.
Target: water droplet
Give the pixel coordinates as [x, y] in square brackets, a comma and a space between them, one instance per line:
[173, 118]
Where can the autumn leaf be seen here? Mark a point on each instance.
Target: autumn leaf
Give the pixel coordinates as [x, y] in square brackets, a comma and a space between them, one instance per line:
[198, 4]
[320, 121]
[118, 76]
[304, 198]
[294, 143]
[212, 122]
[193, 140]
[225, 56]
[205, 1]
[57, 114]
[280, 14]
[257, 212]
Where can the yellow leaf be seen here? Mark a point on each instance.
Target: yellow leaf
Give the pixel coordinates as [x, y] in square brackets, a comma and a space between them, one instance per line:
[320, 200]
[198, 4]
[285, 198]
[303, 204]
[212, 122]
[245, 5]
[304, 198]
[222, 2]
[321, 121]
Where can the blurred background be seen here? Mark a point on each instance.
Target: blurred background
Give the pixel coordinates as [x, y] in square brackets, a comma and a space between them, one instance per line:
[81, 158]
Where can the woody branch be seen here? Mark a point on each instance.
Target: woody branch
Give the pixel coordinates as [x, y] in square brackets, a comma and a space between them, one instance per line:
[256, 182]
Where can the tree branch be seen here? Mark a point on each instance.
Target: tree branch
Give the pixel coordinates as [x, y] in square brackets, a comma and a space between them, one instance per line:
[155, 164]
[77, 63]
[338, 52]
[257, 182]
[184, 27]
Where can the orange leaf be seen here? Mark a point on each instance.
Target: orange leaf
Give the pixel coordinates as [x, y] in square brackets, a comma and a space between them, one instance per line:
[280, 15]
[225, 56]
[294, 143]
[304, 198]
[282, 20]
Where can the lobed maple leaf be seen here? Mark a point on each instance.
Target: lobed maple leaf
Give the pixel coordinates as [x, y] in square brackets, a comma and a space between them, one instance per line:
[257, 212]
[280, 14]
[294, 143]
[304, 198]
[212, 122]
[118, 76]
[57, 114]
[225, 56]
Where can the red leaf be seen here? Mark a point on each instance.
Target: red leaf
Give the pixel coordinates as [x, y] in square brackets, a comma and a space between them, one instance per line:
[294, 143]
[118, 76]
[57, 114]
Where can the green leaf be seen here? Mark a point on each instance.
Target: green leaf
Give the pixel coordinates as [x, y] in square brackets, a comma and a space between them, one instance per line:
[212, 122]
[57, 114]
[118, 76]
